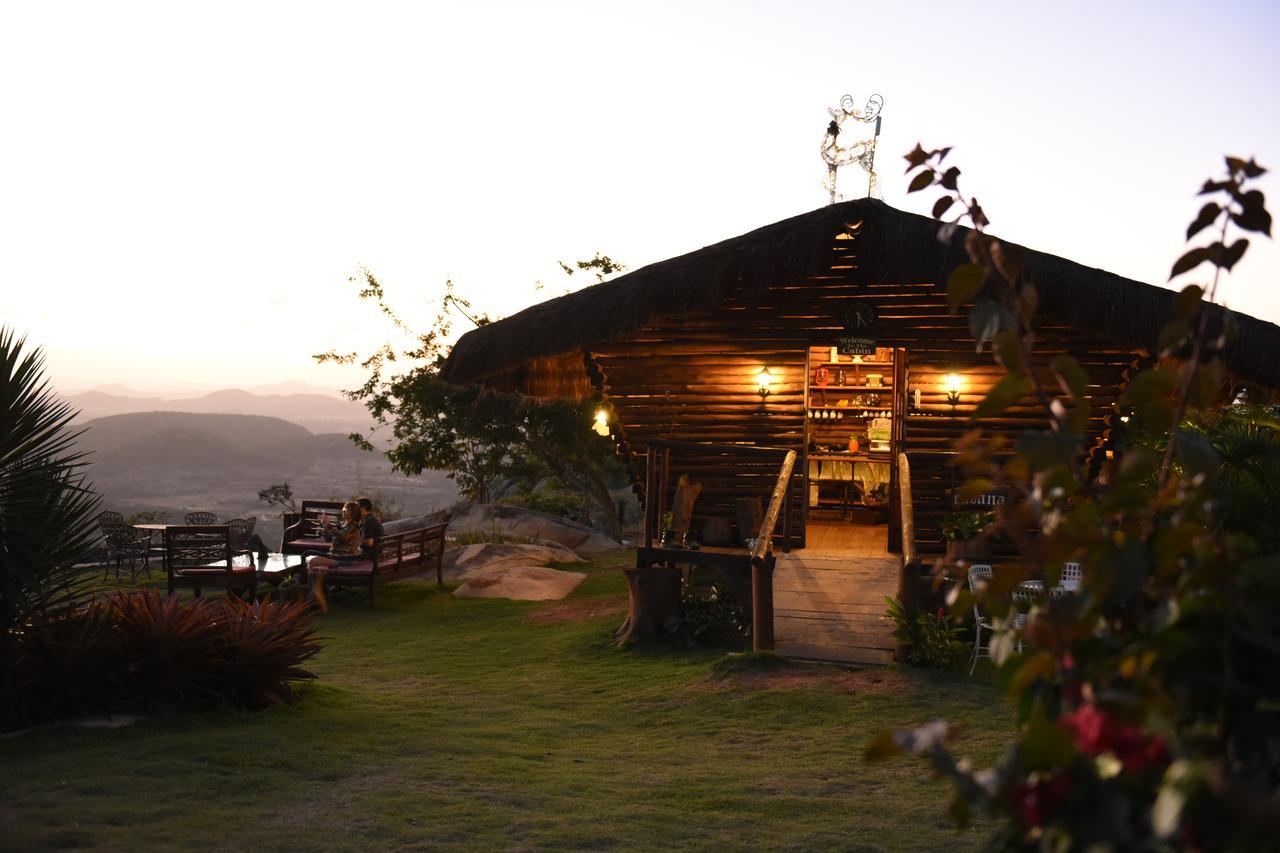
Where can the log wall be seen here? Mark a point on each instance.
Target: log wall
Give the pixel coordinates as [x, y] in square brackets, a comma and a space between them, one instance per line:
[693, 377]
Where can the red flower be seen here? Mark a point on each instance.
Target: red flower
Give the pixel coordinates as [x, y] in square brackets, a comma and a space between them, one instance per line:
[1034, 802]
[1096, 733]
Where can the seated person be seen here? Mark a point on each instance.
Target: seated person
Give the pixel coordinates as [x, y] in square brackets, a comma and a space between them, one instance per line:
[345, 547]
[371, 531]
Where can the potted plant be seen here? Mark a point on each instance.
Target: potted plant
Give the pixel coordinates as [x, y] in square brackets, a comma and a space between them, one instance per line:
[665, 534]
[963, 532]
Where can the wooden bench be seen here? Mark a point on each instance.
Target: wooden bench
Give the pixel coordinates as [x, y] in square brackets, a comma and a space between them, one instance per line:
[301, 531]
[399, 555]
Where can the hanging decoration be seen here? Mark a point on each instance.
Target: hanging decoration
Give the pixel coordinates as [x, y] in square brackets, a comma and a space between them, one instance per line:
[862, 152]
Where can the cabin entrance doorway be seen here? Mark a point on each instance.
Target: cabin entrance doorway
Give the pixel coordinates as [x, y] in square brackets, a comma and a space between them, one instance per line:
[853, 421]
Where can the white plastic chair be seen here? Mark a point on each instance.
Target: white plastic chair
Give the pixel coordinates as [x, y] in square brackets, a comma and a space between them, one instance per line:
[1072, 577]
[1025, 595]
[979, 578]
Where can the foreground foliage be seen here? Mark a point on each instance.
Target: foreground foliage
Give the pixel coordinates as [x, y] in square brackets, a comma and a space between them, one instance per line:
[484, 440]
[1149, 703]
[46, 507]
[142, 651]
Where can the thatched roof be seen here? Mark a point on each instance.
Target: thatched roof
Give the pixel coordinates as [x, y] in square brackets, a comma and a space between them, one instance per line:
[891, 245]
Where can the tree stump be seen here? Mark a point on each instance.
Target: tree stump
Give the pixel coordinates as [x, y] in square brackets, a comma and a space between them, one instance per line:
[654, 611]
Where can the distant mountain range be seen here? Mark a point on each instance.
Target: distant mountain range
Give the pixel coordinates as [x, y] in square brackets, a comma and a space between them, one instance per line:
[318, 413]
[174, 462]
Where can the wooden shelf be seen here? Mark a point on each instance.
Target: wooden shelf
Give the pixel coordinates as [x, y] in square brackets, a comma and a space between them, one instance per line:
[860, 456]
[862, 388]
[853, 408]
[853, 363]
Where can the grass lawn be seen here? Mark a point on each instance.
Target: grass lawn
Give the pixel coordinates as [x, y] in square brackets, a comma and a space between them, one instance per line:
[468, 723]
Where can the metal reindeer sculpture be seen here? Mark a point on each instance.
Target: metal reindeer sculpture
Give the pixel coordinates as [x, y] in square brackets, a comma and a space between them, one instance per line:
[862, 152]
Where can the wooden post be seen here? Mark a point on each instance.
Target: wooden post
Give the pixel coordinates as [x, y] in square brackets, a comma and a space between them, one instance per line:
[909, 580]
[762, 604]
[650, 505]
[762, 562]
[654, 608]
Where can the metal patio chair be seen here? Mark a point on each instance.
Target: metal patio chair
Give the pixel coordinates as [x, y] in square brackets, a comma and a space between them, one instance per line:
[979, 579]
[200, 517]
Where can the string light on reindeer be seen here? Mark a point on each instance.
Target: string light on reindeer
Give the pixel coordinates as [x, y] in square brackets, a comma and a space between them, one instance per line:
[862, 152]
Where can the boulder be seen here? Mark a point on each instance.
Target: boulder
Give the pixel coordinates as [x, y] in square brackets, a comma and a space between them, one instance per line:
[474, 559]
[522, 583]
[529, 524]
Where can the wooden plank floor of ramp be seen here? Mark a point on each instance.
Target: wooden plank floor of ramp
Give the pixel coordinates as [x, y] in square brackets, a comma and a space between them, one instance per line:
[832, 607]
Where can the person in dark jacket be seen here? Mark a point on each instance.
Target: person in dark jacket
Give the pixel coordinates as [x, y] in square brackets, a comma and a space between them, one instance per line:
[371, 531]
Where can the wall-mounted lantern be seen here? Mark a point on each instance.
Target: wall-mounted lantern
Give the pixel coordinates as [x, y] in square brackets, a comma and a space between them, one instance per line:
[601, 422]
[953, 384]
[764, 383]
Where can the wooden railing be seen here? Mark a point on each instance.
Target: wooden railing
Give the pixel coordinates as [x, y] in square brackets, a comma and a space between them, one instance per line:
[762, 560]
[909, 575]
[657, 485]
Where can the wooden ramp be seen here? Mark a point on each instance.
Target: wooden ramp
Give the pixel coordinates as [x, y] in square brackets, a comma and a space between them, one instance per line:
[832, 608]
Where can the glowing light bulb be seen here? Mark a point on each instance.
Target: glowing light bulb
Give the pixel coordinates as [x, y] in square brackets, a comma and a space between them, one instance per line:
[601, 424]
[764, 379]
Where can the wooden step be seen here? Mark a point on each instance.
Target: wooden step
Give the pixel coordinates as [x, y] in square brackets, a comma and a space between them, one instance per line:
[833, 608]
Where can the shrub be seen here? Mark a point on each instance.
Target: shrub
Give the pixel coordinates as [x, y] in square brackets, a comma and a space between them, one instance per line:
[47, 510]
[63, 666]
[711, 616]
[932, 639]
[145, 651]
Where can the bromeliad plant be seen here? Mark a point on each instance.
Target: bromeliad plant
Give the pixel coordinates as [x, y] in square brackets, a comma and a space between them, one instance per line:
[963, 526]
[1149, 703]
[144, 651]
[932, 640]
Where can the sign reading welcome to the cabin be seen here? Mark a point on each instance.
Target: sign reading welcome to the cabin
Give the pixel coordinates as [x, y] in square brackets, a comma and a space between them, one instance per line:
[861, 327]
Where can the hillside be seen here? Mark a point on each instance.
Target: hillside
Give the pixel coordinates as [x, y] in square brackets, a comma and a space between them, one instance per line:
[176, 462]
[318, 413]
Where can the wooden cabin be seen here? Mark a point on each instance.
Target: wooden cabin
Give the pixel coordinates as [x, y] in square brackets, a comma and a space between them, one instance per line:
[828, 334]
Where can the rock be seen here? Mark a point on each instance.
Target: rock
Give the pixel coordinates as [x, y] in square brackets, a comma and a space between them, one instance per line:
[474, 559]
[529, 524]
[522, 583]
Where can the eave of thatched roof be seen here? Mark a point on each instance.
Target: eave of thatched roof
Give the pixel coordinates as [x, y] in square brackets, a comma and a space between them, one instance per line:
[891, 245]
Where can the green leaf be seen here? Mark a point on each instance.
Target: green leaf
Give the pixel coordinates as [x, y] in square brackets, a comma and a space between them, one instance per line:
[940, 206]
[1189, 261]
[1008, 259]
[1173, 335]
[1070, 376]
[1206, 388]
[916, 157]
[1044, 745]
[1187, 301]
[964, 283]
[1253, 220]
[987, 319]
[1007, 352]
[921, 181]
[1197, 454]
[1234, 253]
[960, 811]
[882, 746]
[949, 177]
[1204, 219]
[1153, 384]
[978, 216]
[1009, 390]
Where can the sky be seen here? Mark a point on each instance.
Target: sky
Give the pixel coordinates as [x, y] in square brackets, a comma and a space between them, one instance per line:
[187, 189]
